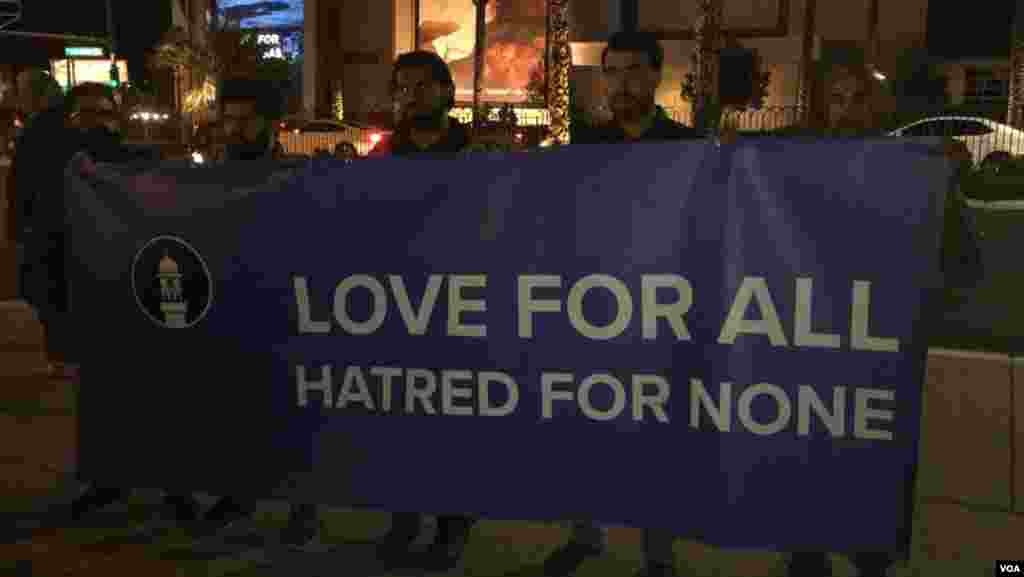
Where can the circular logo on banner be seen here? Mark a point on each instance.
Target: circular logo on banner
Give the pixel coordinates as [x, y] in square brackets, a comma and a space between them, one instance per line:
[171, 283]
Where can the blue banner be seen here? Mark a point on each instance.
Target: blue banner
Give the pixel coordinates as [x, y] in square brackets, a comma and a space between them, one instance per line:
[724, 342]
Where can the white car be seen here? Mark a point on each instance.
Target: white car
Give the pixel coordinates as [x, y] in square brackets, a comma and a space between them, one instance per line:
[298, 137]
[989, 142]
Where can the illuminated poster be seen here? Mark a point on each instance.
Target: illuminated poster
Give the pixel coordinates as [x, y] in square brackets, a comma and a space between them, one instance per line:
[516, 31]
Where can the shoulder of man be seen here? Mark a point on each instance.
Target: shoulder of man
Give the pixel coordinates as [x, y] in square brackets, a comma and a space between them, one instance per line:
[460, 135]
[668, 129]
[604, 132]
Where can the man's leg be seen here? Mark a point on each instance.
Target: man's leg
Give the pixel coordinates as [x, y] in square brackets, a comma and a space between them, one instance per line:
[405, 527]
[871, 564]
[304, 529]
[809, 564]
[445, 553]
[659, 560]
[95, 498]
[587, 540]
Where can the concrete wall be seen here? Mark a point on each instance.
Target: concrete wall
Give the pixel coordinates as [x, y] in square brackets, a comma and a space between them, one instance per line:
[365, 50]
[311, 53]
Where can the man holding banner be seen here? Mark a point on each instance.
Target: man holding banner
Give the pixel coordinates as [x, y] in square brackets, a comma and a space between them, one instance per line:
[631, 65]
[424, 94]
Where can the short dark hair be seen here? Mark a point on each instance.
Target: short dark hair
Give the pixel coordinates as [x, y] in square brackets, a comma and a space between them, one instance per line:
[425, 59]
[645, 42]
[92, 90]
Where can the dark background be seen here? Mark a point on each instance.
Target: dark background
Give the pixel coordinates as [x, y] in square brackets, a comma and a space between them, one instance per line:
[955, 29]
[970, 30]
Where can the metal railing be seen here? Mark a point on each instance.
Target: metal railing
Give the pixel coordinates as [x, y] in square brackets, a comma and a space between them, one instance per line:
[761, 119]
[310, 143]
[990, 143]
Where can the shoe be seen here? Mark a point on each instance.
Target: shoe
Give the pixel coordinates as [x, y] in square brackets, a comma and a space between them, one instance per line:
[182, 508]
[94, 499]
[446, 552]
[872, 564]
[809, 565]
[303, 534]
[441, 556]
[657, 570]
[224, 514]
[305, 539]
[399, 538]
[564, 561]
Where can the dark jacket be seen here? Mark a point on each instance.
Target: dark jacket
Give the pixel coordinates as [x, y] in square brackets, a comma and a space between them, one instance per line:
[663, 129]
[42, 151]
[455, 140]
[104, 145]
[247, 151]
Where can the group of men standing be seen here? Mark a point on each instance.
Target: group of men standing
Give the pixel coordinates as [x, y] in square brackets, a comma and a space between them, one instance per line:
[424, 94]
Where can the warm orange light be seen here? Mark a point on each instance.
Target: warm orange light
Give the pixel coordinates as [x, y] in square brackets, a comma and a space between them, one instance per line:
[375, 138]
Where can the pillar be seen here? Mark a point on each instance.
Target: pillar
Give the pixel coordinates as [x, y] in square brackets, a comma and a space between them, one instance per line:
[559, 64]
[309, 59]
[707, 34]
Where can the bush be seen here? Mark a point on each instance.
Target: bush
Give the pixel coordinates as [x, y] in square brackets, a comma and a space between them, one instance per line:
[989, 187]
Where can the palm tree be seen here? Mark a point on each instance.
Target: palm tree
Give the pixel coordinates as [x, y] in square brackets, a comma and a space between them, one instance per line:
[1014, 108]
[707, 32]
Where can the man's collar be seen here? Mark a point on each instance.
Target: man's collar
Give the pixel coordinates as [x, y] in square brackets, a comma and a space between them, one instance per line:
[647, 123]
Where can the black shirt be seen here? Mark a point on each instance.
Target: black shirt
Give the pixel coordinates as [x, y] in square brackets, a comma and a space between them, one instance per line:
[456, 139]
[42, 151]
[663, 128]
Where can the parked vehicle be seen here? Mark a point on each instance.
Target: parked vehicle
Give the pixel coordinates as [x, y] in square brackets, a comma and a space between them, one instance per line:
[322, 135]
[989, 142]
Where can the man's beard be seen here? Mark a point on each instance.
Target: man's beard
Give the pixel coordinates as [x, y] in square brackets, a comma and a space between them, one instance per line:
[627, 108]
[426, 121]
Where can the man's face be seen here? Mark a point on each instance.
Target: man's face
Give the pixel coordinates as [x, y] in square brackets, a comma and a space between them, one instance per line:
[344, 153]
[96, 111]
[630, 83]
[848, 103]
[26, 100]
[419, 98]
[237, 116]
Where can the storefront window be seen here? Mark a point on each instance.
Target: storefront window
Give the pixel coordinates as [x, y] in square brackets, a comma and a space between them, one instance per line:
[85, 70]
[516, 37]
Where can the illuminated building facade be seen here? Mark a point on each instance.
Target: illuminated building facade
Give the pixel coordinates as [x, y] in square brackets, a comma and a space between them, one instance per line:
[349, 46]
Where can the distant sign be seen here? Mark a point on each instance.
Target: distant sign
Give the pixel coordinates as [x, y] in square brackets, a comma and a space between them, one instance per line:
[271, 45]
[83, 51]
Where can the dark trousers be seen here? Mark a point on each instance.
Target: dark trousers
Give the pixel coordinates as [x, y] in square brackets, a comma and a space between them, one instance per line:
[448, 526]
[867, 564]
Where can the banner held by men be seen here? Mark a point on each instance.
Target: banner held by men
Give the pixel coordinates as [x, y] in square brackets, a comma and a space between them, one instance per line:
[722, 342]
